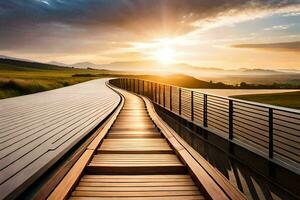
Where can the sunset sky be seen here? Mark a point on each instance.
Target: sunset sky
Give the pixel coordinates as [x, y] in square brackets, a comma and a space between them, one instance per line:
[206, 33]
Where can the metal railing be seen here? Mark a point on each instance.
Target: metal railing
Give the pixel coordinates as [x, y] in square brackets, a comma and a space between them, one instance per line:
[271, 130]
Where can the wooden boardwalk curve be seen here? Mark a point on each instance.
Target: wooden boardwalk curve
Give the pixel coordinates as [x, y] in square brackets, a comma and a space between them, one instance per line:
[36, 130]
[137, 157]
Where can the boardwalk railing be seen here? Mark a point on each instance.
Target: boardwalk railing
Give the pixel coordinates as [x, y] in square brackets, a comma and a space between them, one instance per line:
[269, 130]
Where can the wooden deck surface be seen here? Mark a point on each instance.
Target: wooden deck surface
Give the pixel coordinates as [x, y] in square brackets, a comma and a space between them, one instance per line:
[135, 161]
[36, 130]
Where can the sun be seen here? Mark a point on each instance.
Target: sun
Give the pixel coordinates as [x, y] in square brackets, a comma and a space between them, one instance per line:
[165, 55]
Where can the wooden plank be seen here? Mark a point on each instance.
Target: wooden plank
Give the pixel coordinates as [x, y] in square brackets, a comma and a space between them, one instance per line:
[140, 188]
[94, 144]
[140, 168]
[19, 135]
[68, 183]
[124, 180]
[134, 146]
[164, 184]
[124, 136]
[135, 169]
[135, 194]
[48, 187]
[195, 162]
[197, 197]
[36, 133]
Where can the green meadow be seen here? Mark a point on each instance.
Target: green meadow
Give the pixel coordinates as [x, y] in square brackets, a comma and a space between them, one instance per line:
[287, 99]
[20, 78]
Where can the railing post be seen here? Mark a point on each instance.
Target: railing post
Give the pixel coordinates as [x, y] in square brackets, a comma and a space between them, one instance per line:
[128, 82]
[143, 87]
[138, 84]
[230, 118]
[151, 91]
[270, 132]
[192, 105]
[133, 86]
[205, 110]
[159, 94]
[155, 92]
[164, 96]
[171, 98]
[179, 95]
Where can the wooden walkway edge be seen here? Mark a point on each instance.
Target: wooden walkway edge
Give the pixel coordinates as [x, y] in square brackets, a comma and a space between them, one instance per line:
[37, 130]
[137, 156]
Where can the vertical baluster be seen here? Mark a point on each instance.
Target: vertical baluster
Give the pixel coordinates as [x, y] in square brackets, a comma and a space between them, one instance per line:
[143, 87]
[133, 85]
[179, 95]
[159, 94]
[151, 91]
[192, 105]
[230, 119]
[270, 132]
[164, 96]
[155, 92]
[171, 106]
[205, 110]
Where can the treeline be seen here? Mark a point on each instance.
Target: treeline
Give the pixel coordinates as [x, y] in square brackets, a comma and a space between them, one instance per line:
[244, 85]
[26, 65]
[191, 82]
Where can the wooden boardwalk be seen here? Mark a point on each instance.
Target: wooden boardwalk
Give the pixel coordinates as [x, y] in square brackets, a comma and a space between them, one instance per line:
[133, 158]
[36, 130]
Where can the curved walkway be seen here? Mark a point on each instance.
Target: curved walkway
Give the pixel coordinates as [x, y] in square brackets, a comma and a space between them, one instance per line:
[36, 130]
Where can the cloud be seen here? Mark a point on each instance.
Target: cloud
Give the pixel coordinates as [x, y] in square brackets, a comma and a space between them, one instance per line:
[292, 14]
[279, 27]
[282, 46]
[42, 23]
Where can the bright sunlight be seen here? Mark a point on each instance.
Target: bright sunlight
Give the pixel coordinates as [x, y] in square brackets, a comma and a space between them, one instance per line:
[165, 55]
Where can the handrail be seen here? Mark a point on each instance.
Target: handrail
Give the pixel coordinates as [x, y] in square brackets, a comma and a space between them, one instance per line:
[206, 176]
[204, 110]
[222, 97]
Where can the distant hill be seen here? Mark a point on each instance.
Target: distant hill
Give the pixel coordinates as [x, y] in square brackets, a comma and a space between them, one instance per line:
[14, 58]
[57, 63]
[84, 65]
[183, 81]
[260, 71]
[234, 76]
[20, 65]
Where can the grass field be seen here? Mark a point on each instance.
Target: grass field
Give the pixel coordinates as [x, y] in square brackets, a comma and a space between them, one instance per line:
[20, 78]
[287, 99]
